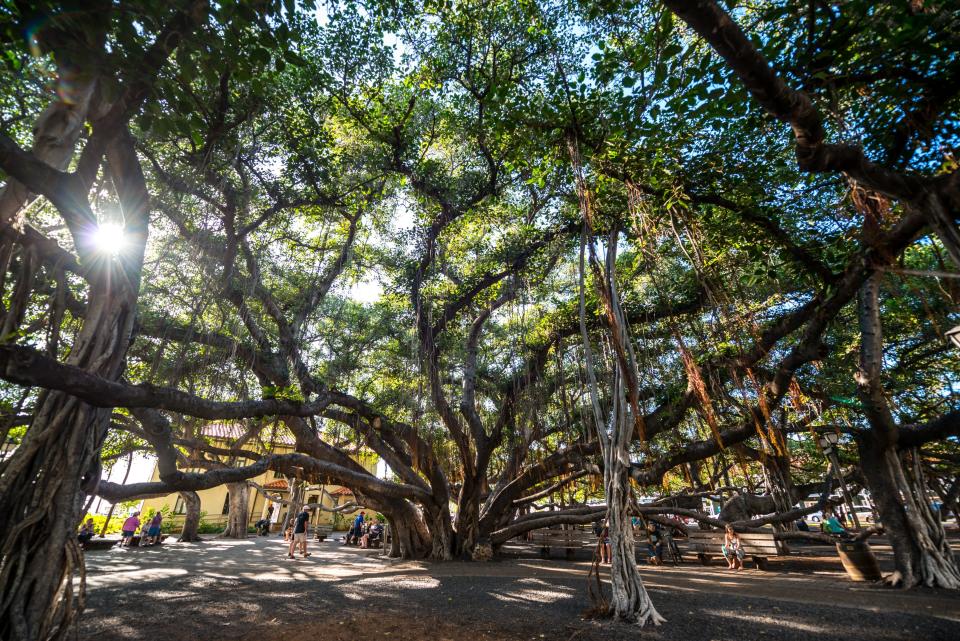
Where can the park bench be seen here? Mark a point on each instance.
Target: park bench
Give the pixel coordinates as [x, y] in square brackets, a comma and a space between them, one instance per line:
[323, 531]
[98, 544]
[135, 541]
[568, 540]
[758, 547]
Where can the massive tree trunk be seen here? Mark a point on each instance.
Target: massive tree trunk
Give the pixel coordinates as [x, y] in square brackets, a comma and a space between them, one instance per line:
[441, 533]
[468, 517]
[42, 486]
[239, 511]
[411, 537]
[191, 521]
[921, 552]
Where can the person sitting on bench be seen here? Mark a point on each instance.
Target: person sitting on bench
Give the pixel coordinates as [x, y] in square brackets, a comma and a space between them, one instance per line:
[263, 525]
[654, 544]
[732, 549]
[373, 535]
[86, 532]
[830, 524]
[144, 534]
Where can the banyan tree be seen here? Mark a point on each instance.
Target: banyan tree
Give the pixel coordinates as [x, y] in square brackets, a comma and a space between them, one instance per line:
[542, 259]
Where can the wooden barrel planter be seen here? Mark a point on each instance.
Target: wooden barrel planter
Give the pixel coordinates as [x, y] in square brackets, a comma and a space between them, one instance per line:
[859, 561]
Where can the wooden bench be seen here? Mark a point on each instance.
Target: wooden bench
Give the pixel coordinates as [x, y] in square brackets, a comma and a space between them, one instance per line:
[568, 540]
[323, 531]
[135, 540]
[756, 546]
[97, 543]
[670, 551]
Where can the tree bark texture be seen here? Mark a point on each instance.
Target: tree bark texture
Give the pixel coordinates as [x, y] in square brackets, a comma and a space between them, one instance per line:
[42, 486]
[55, 134]
[630, 601]
[411, 537]
[921, 553]
[441, 533]
[239, 511]
[191, 521]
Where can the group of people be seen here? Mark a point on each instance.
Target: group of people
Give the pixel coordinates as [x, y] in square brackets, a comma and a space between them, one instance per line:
[149, 530]
[365, 533]
[732, 547]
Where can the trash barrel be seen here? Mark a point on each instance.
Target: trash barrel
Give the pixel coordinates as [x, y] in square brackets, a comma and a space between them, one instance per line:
[859, 561]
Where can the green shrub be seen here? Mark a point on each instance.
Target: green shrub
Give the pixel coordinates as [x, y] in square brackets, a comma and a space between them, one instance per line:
[98, 520]
[208, 528]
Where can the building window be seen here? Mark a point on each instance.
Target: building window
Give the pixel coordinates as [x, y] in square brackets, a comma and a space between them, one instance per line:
[277, 474]
[226, 504]
[179, 507]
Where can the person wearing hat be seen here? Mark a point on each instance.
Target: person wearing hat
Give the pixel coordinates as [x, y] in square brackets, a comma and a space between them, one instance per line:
[300, 533]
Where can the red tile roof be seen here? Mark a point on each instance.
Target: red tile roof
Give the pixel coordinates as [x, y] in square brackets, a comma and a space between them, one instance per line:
[279, 484]
[341, 491]
[275, 434]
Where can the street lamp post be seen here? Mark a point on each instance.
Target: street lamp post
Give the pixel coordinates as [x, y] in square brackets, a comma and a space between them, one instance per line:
[828, 441]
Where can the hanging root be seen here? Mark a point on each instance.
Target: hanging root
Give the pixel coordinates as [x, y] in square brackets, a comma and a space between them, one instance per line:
[599, 605]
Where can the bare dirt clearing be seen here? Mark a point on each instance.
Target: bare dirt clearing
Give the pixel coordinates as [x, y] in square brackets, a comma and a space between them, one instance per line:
[249, 590]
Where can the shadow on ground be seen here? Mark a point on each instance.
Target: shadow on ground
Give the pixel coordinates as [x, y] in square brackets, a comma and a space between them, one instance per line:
[249, 590]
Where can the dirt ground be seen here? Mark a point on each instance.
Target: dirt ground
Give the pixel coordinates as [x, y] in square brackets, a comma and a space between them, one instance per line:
[249, 590]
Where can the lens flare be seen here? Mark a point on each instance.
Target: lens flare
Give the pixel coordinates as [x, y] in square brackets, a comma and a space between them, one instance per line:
[109, 239]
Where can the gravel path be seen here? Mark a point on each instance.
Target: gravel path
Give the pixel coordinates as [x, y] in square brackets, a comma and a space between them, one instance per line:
[248, 590]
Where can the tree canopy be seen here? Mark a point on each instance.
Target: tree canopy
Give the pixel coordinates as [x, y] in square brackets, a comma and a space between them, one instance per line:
[486, 241]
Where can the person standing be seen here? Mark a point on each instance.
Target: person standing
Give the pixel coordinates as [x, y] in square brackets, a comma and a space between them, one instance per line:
[300, 533]
[154, 531]
[604, 537]
[353, 537]
[129, 528]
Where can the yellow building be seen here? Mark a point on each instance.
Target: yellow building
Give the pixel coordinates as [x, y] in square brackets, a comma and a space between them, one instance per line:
[215, 502]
